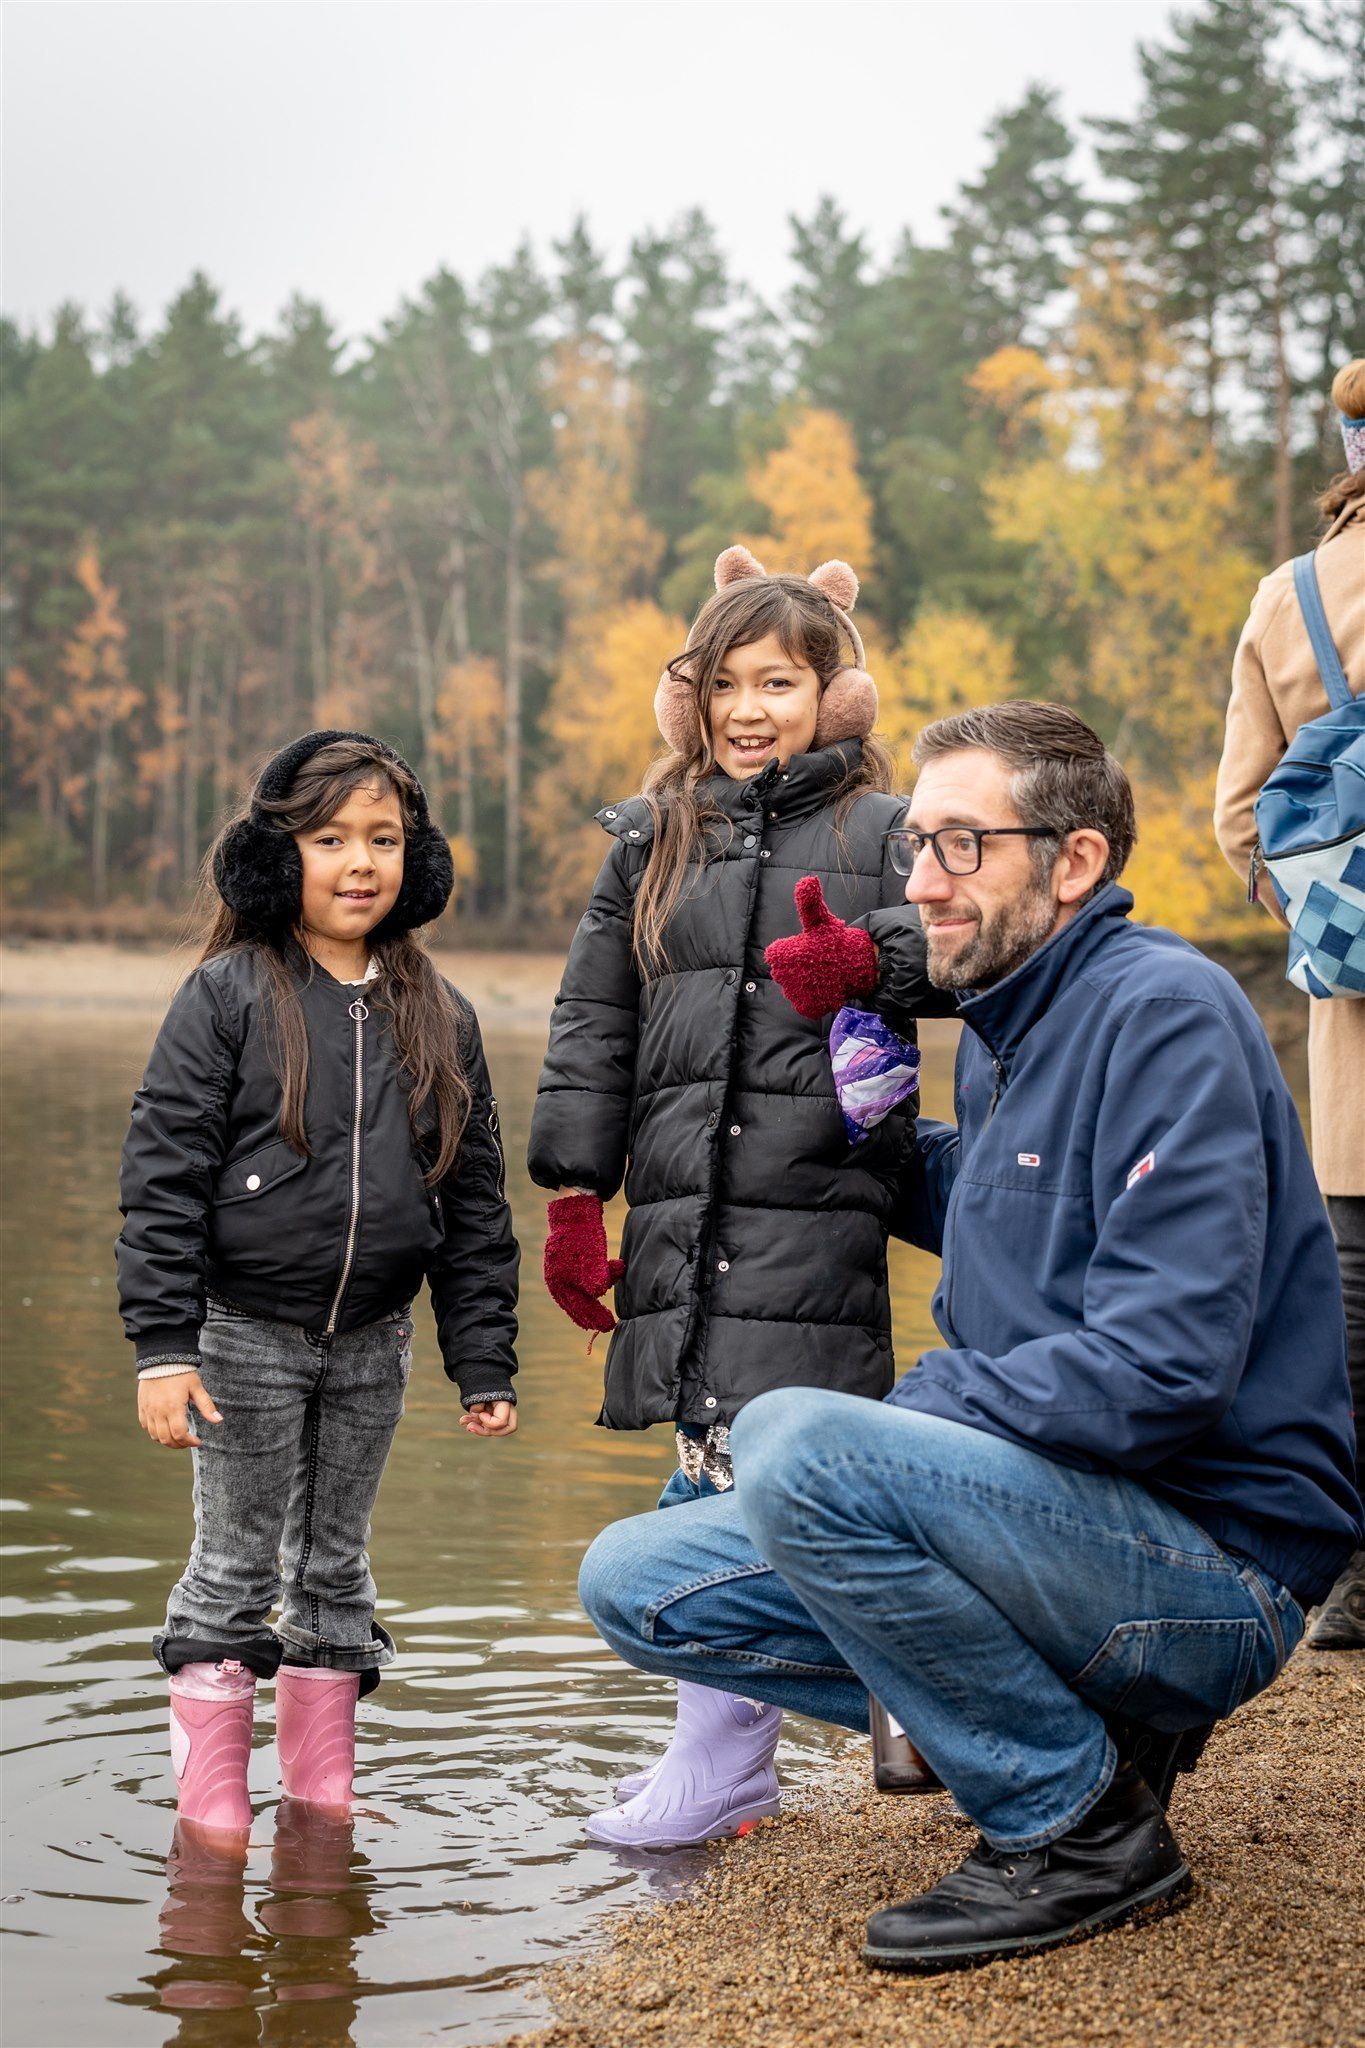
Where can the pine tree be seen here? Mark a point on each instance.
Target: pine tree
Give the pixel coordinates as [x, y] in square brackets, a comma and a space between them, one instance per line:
[1208, 163]
[512, 435]
[1329, 199]
[674, 287]
[1014, 232]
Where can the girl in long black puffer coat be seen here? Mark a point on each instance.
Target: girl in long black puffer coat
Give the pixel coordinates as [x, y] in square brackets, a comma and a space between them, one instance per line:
[754, 1251]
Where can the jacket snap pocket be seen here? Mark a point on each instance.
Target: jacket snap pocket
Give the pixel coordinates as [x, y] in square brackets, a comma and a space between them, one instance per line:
[1172, 1674]
[245, 1179]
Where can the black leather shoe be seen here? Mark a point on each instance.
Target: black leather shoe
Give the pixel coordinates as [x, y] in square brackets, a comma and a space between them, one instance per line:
[1158, 1758]
[1003, 1902]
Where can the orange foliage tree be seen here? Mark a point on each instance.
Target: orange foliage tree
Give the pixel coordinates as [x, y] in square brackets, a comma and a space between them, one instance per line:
[817, 505]
[1130, 526]
[597, 719]
[100, 700]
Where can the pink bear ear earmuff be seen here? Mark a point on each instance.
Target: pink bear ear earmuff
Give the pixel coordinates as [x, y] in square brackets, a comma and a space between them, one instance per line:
[675, 711]
[675, 700]
[837, 582]
[848, 708]
[848, 705]
[737, 565]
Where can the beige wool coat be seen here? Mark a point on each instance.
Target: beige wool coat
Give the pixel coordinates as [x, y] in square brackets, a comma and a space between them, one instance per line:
[1275, 690]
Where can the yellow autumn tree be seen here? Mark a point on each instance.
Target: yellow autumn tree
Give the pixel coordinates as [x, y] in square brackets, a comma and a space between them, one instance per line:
[1173, 879]
[341, 504]
[604, 548]
[817, 506]
[600, 733]
[946, 661]
[467, 737]
[1134, 563]
[597, 720]
[101, 698]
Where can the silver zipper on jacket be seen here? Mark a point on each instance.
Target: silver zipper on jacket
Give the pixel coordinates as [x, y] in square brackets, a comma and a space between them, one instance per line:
[358, 1012]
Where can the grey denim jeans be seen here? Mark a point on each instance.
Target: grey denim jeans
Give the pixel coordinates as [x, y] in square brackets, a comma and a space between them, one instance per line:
[283, 1489]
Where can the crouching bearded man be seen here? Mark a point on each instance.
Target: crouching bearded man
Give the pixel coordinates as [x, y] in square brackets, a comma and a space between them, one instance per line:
[1087, 1526]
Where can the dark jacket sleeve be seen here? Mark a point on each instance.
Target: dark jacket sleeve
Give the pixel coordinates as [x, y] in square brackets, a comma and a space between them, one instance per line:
[926, 1181]
[904, 990]
[1170, 1289]
[175, 1145]
[473, 1277]
[581, 1125]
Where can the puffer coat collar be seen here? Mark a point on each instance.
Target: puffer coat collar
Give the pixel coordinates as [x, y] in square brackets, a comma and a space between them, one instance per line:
[782, 794]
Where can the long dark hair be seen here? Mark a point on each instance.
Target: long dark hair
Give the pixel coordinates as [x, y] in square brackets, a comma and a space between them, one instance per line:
[805, 624]
[423, 1017]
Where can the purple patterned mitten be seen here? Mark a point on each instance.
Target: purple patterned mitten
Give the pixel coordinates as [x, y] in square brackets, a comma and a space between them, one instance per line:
[873, 1070]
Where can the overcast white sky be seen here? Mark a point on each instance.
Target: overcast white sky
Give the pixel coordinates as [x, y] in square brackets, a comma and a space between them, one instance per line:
[346, 150]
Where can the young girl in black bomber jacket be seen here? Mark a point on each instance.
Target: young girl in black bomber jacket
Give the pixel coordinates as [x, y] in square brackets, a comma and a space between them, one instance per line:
[754, 1251]
[314, 1136]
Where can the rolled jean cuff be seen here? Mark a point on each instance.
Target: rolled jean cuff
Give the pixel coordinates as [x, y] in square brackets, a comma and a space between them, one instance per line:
[1039, 1839]
[260, 1653]
[299, 1647]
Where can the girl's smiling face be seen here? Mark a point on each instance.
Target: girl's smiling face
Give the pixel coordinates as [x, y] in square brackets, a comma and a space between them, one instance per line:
[763, 707]
[353, 866]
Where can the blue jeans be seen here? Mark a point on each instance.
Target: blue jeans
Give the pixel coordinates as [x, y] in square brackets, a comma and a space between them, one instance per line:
[680, 1489]
[997, 1604]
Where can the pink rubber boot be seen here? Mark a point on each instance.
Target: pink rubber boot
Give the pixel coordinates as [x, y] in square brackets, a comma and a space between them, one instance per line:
[315, 1732]
[211, 1743]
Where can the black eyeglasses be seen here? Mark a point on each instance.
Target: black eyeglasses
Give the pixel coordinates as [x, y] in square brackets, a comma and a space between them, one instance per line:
[957, 848]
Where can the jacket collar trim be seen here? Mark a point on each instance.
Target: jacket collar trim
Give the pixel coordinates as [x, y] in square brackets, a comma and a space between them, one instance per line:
[802, 787]
[1003, 1016]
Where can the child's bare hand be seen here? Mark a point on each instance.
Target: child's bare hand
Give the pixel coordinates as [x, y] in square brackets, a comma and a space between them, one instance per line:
[490, 1418]
[163, 1408]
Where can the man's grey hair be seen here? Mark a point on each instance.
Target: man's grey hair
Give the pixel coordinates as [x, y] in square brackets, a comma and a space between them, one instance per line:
[1064, 777]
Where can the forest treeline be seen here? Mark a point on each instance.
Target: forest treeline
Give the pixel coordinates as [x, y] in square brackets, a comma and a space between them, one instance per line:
[1060, 443]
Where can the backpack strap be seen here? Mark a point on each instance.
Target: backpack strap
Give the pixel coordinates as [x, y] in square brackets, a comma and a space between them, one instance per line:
[1339, 694]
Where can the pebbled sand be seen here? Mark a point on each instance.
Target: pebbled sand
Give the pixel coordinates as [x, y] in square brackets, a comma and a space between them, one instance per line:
[1269, 1952]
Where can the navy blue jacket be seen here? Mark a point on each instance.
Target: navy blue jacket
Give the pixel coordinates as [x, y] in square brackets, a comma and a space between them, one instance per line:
[1138, 1273]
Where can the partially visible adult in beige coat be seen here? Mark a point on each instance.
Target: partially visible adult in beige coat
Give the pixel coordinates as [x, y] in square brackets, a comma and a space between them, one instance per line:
[1275, 690]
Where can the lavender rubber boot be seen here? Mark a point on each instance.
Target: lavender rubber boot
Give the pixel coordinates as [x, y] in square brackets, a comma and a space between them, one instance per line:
[716, 1775]
[211, 1743]
[315, 1733]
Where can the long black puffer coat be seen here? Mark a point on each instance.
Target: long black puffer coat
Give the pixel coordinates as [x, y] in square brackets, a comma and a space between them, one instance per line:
[755, 1245]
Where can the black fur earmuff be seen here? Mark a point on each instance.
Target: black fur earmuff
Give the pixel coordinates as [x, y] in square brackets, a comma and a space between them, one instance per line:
[258, 872]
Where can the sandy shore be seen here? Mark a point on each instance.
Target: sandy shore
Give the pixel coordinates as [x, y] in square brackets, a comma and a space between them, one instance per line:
[507, 988]
[1268, 1953]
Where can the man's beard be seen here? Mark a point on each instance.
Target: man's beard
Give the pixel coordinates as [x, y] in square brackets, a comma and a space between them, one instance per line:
[1001, 942]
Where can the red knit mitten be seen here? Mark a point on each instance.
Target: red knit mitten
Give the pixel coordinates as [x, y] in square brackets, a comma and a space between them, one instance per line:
[577, 1269]
[827, 963]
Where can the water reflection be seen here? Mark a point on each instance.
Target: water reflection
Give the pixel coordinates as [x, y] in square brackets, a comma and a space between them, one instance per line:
[504, 1720]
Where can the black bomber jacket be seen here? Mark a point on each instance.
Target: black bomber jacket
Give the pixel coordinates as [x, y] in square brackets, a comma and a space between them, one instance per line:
[215, 1201]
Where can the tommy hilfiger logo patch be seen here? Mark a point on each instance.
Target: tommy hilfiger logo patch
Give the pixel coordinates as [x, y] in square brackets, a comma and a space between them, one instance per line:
[1141, 1170]
[1028, 1159]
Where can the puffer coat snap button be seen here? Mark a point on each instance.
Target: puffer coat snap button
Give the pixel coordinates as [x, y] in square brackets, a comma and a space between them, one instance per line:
[253, 1181]
[734, 1130]
[751, 839]
[730, 977]
[749, 987]
[709, 1402]
[722, 1265]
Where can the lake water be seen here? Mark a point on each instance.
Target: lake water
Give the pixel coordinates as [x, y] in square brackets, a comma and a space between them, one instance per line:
[502, 1722]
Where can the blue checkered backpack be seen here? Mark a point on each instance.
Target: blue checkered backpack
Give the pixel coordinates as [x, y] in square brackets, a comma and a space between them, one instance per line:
[1310, 818]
